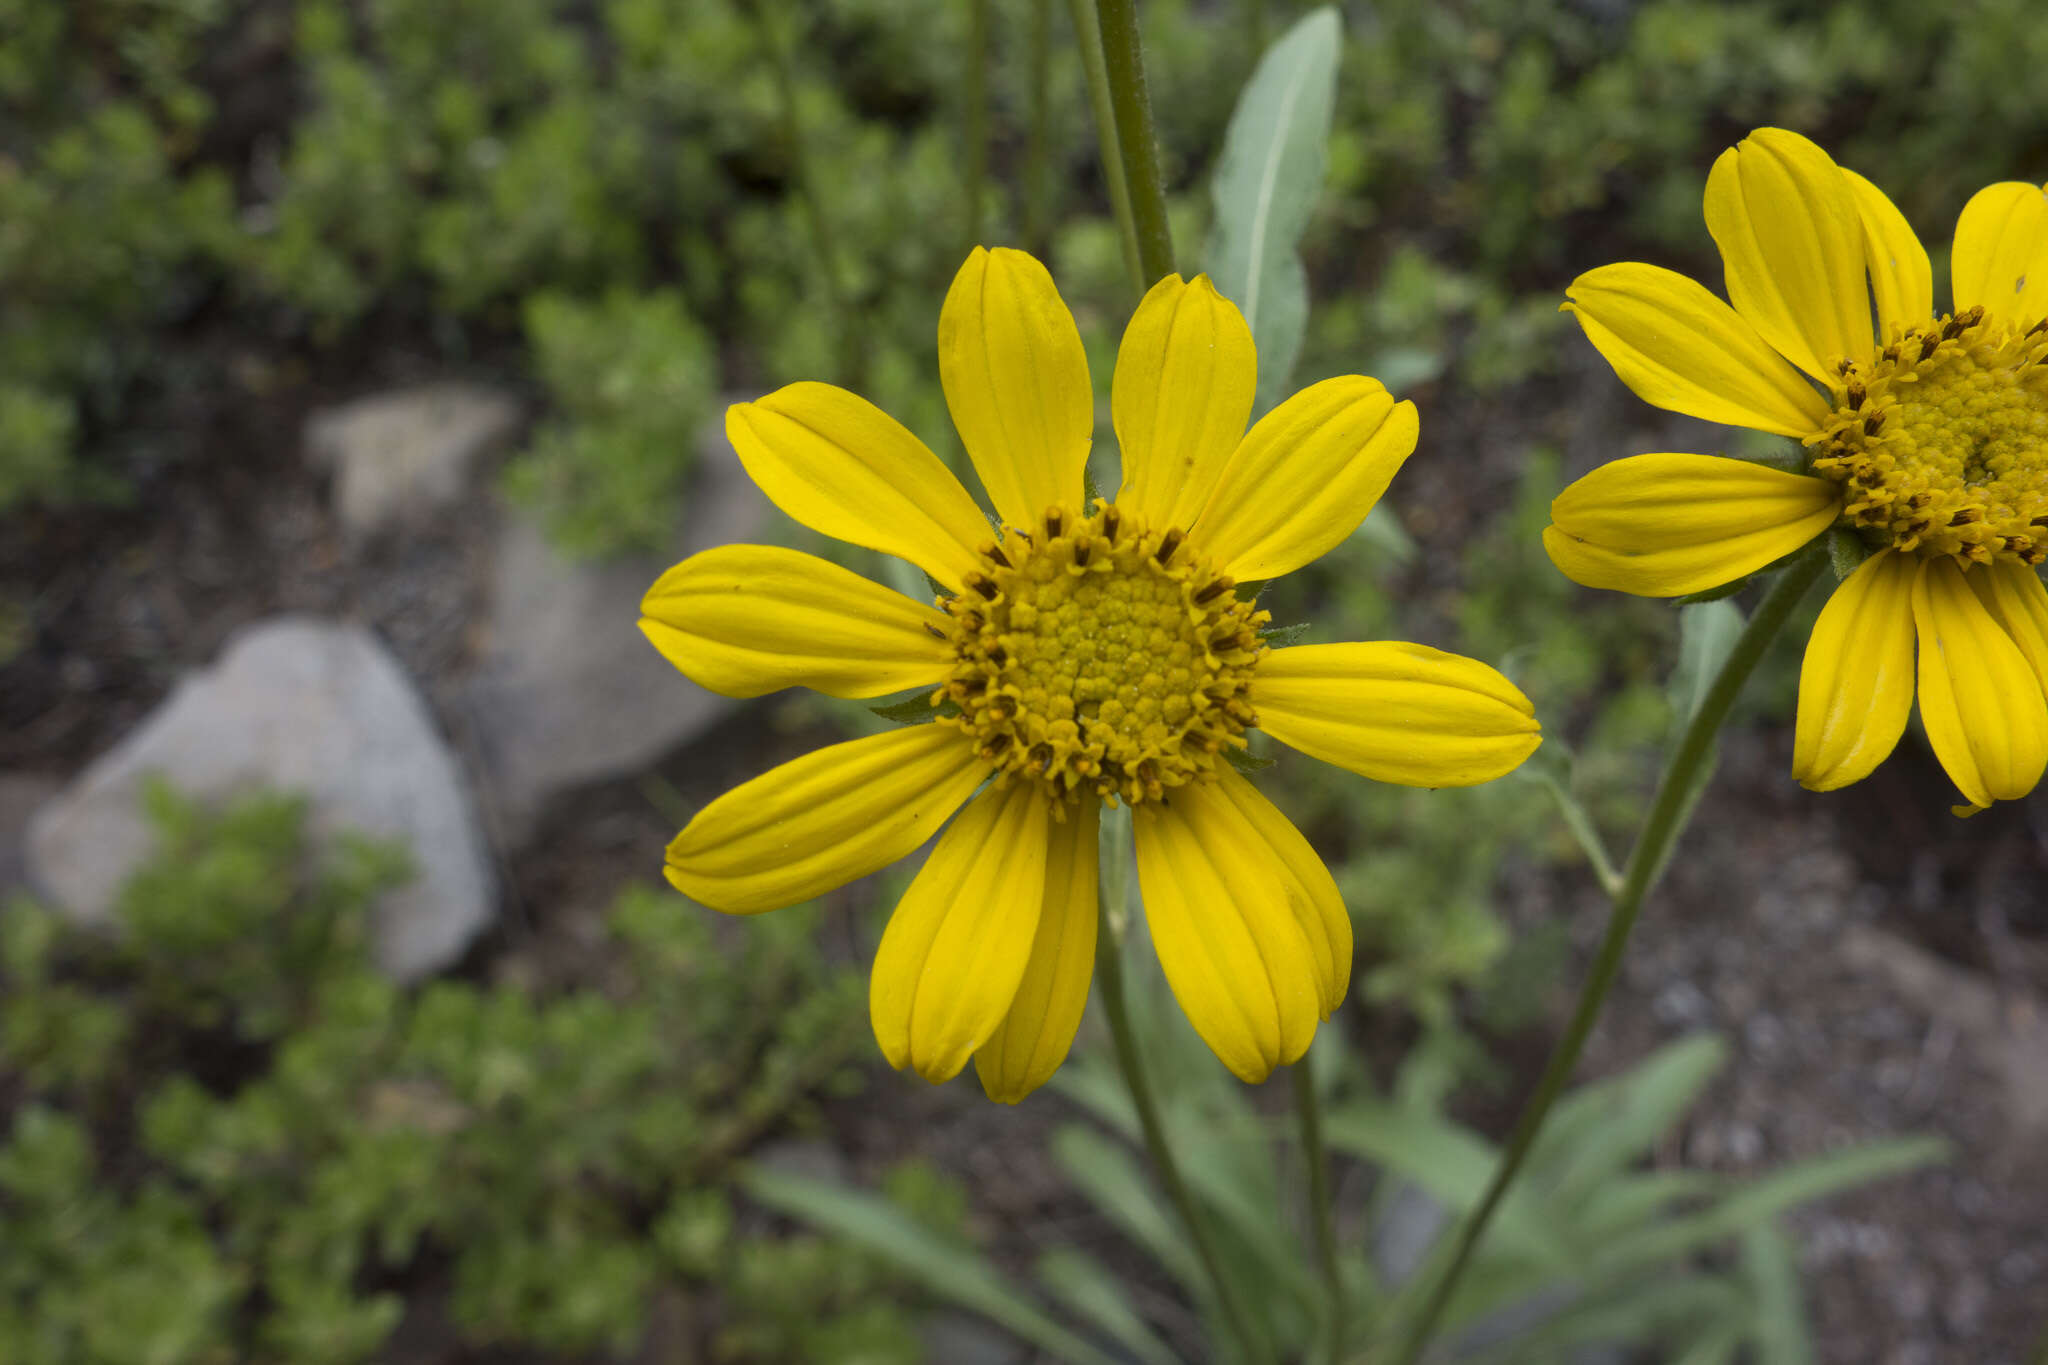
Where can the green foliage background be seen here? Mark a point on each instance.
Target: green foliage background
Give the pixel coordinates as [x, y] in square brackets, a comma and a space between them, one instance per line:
[483, 173]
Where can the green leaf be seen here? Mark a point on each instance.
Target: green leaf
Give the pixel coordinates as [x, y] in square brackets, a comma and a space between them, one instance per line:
[1763, 1200]
[1111, 1177]
[948, 1269]
[1846, 552]
[1446, 1160]
[1244, 760]
[1093, 1290]
[1279, 637]
[1706, 636]
[1771, 1268]
[1596, 1133]
[1265, 187]
[915, 710]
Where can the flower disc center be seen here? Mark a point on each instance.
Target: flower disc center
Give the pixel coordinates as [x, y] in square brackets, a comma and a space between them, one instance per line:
[1099, 657]
[1941, 442]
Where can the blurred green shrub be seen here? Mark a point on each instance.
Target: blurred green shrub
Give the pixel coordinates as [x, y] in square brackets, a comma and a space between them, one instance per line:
[228, 1138]
[445, 164]
[632, 379]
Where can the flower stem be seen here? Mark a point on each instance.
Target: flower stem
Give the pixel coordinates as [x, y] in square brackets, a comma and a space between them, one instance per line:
[1038, 188]
[1109, 973]
[1670, 811]
[1088, 38]
[1308, 1112]
[974, 122]
[1123, 59]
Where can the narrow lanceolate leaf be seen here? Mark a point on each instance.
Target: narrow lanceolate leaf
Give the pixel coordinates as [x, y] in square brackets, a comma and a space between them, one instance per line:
[1266, 185]
[948, 1270]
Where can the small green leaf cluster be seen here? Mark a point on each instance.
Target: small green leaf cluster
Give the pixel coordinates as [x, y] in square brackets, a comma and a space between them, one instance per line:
[227, 1137]
[631, 377]
[105, 227]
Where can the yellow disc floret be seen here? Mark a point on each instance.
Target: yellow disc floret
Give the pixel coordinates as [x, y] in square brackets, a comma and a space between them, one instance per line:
[1941, 442]
[1100, 658]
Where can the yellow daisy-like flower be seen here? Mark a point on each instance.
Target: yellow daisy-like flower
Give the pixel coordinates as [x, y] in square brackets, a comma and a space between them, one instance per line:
[1927, 435]
[1081, 655]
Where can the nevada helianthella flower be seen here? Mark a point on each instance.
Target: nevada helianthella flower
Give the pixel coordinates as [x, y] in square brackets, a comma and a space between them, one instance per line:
[1926, 435]
[1078, 655]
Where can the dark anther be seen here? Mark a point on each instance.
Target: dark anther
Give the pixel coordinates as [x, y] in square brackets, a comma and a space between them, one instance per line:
[1040, 758]
[1168, 543]
[2039, 327]
[2039, 521]
[1844, 365]
[935, 630]
[1111, 519]
[1003, 704]
[1966, 516]
[995, 552]
[1084, 549]
[1217, 587]
[1873, 423]
[1856, 393]
[969, 686]
[1227, 641]
[1054, 520]
[974, 621]
[1869, 478]
[997, 742]
[1928, 343]
[983, 584]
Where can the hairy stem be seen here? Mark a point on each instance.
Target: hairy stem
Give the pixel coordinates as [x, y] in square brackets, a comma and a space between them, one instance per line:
[1123, 59]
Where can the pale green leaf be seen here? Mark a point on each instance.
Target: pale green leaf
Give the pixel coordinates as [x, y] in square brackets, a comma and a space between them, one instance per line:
[946, 1268]
[1265, 187]
[1092, 1289]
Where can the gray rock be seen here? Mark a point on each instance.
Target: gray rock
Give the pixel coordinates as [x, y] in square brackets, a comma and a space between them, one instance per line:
[567, 690]
[302, 705]
[397, 456]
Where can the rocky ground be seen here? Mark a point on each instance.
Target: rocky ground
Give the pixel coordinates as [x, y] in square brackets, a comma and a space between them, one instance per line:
[1880, 968]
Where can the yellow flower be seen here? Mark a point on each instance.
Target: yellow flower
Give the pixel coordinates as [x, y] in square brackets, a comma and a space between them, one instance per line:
[1080, 656]
[1927, 436]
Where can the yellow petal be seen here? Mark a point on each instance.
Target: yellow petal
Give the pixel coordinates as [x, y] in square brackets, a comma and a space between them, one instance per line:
[1311, 891]
[1979, 699]
[1856, 684]
[1792, 245]
[2001, 252]
[1669, 524]
[955, 949]
[1900, 278]
[1395, 712]
[821, 820]
[1016, 381]
[1679, 347]
[1181, 397]
[1036, 1034]
[840, 465]
[1230, 945]
[2015, 597]
[1304, 477]
[744, 620]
